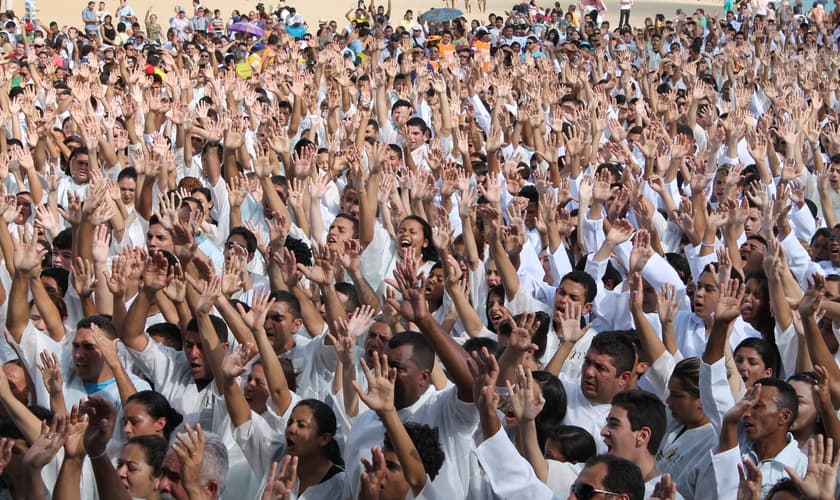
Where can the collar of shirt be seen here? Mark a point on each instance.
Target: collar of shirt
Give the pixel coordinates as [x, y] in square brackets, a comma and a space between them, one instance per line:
[789, 455]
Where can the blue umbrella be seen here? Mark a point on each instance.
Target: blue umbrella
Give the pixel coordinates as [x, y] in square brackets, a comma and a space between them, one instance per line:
[441, 15]
[250, 29]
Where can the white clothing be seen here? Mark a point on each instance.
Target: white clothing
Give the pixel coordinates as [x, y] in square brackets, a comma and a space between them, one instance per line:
[584, 413]
[509, 474]
[456, 420]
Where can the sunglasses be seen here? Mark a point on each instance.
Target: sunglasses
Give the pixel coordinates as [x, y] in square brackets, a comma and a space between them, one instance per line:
[585, 491]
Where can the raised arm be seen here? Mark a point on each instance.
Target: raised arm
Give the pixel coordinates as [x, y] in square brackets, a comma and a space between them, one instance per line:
[278, 387]
[527, 402]
[380, 398]
[101, 416]
[27, 262]
[155, 277]
[232, 367]
[108, 348]
[415, 309]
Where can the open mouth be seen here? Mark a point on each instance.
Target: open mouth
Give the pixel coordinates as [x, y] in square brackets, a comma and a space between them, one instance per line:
[405, 243]
[510, 418]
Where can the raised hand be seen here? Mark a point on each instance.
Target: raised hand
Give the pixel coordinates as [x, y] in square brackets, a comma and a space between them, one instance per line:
[208, 291]
[380, 394]
[642, 251]
[190, 450]
[235, 364]
[176, 290]
[668, 304]
[255, 318]
[49, 441]
[360, 321]
[373, 476]
[620, 232]
[820, 480]
[350, 257]
[522, 334]
[812, 299]
[413, 307]
[77, 424]
[156, 272]
[729, 304]
[50, 369]
[749, 487]
[102, 417]
[485, 373]
[84, 277]
[526, 398]
[279, 486]
[569, 324]
[27, 258]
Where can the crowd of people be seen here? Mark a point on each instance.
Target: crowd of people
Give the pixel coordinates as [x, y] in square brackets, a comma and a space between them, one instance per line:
[527, 256]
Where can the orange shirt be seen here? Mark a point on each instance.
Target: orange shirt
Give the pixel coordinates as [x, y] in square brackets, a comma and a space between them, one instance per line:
[482, 53]
[446, 50]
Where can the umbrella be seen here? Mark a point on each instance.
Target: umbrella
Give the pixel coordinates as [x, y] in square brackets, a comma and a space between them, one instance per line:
[441, 15]
[248, 28]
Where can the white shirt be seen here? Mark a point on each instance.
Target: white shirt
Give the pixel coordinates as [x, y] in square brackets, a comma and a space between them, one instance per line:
[584, 413]
[456, 420]
[509, 474]
[169, 372]
[314, 362]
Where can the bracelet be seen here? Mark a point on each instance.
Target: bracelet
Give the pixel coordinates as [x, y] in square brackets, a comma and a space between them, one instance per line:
[708, 245]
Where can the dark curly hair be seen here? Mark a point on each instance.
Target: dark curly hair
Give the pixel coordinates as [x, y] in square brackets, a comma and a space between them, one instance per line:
[427, 441]
[303, 254]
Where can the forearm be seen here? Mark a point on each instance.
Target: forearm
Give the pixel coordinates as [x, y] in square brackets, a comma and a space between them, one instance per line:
[17, 315]
[367, 295]
[728, 435]
[473, 325]
[49, 312]
[412, 466]
[716, 344]
[234, 321]
[312, 320]
[556, 363]
[69, 478]
[510, 279]
[135, 320]
[530, 447]
[451, 354]
[278, 387]
[125, 386]
[236, 403]
[651, 345]
[26, 422]
[346, 377]
[57, 403]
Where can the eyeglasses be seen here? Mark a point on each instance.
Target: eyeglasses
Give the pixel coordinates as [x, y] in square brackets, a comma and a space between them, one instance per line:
[585, 491]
